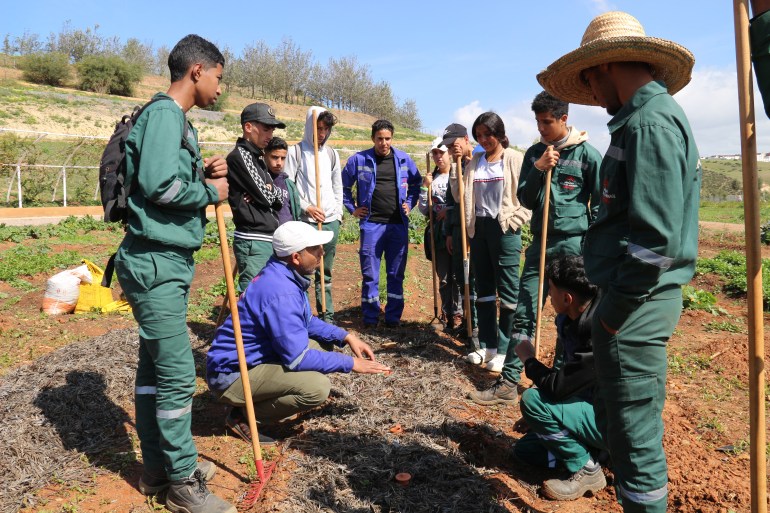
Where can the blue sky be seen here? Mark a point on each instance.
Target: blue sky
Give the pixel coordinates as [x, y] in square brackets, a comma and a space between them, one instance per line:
[455, 59]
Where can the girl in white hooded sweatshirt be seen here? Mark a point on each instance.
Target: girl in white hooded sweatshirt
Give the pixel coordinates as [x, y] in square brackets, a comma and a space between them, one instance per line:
[300, 167]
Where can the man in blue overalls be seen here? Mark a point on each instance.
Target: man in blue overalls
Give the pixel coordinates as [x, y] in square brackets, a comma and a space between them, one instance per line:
[387, 188]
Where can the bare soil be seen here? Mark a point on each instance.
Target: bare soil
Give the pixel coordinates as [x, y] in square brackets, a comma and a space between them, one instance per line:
[706, 411]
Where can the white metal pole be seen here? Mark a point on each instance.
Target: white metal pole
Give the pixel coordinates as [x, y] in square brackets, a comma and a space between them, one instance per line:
[18, 183]
[64, 184]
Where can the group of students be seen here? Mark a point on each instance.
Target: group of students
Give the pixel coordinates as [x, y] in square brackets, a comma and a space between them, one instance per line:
[621, 240]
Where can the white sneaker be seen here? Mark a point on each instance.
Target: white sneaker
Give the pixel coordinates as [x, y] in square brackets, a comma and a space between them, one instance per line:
[477, 357]
[496, 363]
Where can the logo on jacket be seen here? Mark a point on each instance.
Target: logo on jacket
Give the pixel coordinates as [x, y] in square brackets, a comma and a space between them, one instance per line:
[568, 183]
[606, 196]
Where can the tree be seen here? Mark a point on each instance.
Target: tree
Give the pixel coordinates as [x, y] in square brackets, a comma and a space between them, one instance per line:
[45, 68]
[161, 61]
[77, 43]
[408, 116]
[108, 74]
[139, 54]
[27, 43]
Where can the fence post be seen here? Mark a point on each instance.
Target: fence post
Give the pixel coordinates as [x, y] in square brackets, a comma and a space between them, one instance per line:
[64, 184]
[18, 183]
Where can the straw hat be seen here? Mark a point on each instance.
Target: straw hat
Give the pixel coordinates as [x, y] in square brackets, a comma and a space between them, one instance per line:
[616, 37]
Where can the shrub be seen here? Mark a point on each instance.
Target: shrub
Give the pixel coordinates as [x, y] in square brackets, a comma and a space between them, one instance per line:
[45, 68]
[219, 105]
[764, 231]
[108, 74]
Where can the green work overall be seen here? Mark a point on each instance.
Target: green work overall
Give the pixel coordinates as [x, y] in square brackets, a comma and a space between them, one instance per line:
[574, 202]
[496, 256]
[640, 250]
[155, 267]
[250, 257]
[562, 431]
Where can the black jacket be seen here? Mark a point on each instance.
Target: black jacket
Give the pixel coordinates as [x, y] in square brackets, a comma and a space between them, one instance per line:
[576, 374]
[247, 174]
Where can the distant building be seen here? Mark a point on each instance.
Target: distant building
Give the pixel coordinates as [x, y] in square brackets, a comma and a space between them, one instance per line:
[761, 157]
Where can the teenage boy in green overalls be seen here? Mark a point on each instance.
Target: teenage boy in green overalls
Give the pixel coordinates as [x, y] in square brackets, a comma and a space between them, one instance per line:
[154, 264]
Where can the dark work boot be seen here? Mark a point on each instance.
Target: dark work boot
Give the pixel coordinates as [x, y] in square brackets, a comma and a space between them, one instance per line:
[588, 480]
[151, 483]
[501, 392]
[191, 495]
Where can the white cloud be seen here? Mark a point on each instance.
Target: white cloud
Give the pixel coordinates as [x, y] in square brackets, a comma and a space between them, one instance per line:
[467, 114]
[600, 6]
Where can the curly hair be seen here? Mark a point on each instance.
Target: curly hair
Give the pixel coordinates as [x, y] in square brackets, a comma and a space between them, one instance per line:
[568, 273]
[544, 103]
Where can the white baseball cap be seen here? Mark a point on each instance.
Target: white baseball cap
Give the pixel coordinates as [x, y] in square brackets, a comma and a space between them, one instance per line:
[294, 236]
[436, 145]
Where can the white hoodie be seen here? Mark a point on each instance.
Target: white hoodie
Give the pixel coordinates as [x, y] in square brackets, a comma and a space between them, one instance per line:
[303, 173]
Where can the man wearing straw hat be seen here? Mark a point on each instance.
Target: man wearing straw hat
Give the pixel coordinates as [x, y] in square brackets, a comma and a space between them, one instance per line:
[643, 245]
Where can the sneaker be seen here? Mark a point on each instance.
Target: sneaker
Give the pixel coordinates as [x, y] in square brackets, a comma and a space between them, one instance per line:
[478, 357]
[586, 481]
[150, 483]
[496, 363]
[191, 495]
[501, 392]
[240, 427]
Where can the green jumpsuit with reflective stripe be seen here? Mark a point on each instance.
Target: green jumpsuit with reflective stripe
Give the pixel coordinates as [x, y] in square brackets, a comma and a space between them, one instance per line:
[155, 267]
[574, 204]
[640, 251]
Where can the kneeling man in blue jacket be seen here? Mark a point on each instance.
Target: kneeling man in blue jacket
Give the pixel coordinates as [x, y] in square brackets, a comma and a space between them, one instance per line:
[281, 336]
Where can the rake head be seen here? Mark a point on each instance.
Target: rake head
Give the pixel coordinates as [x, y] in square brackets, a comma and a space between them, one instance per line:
[250, 497]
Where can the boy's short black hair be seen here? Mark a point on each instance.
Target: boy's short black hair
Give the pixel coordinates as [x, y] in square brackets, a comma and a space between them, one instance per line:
[327, 118]
[544, 103]
[190, 50]
[382, 124]
[276, 143]
[568, 273]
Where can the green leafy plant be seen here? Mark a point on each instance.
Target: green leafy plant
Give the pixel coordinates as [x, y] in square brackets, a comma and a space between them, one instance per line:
[715, 326]
[697, 299]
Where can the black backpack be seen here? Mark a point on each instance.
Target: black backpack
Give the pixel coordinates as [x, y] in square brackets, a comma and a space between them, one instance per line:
[112, 167]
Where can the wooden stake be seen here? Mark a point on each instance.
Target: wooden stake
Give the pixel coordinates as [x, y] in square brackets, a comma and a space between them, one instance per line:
[543, 246]
[464, 245]
[319, 205]
[757, 433]
[432, 244]
[244, 370]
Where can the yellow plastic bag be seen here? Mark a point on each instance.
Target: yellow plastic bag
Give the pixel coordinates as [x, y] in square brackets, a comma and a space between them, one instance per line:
[93, 295]
[121, 306]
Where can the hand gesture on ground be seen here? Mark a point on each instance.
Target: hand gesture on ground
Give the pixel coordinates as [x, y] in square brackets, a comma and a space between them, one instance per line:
[364, 361]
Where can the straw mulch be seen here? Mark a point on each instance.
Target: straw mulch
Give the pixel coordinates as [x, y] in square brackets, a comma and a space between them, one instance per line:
[63, 419]
[61, 414]
[347, 456]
